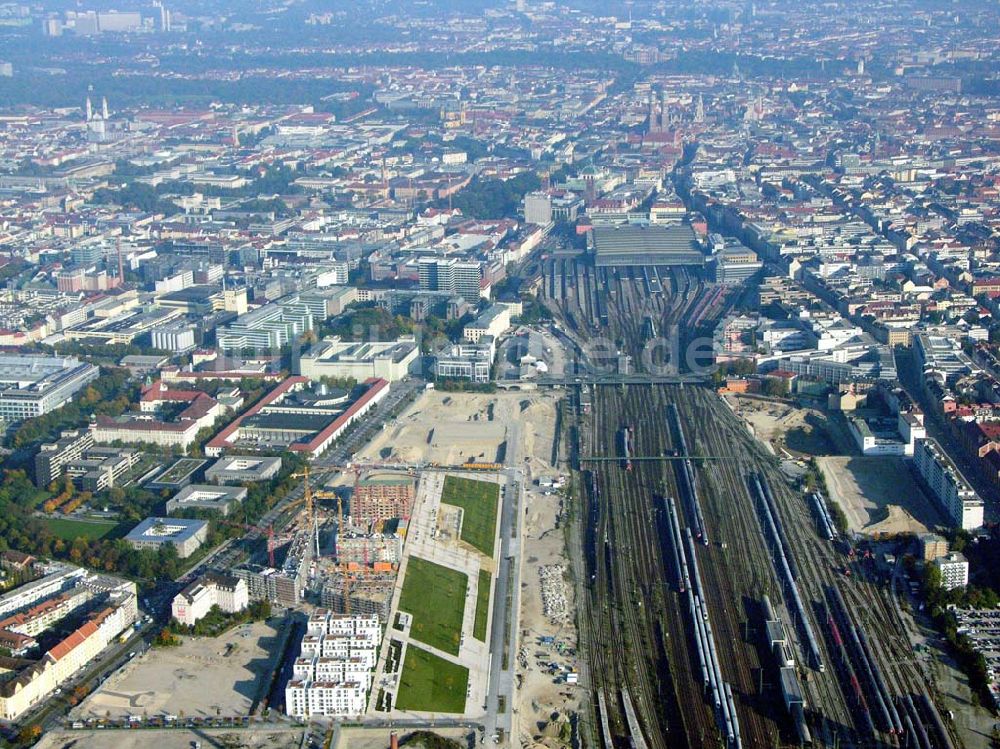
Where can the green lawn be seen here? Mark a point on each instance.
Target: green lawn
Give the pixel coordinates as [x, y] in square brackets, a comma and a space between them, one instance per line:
[482, 606]
[478, 500]
[435, 596]
[431, 684]
[69, 530]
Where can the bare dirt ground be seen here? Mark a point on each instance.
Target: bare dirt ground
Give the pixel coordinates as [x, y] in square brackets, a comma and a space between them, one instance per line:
[174, 738]
[539, 696]
[788, 428]
[378, 738]
[452, 428]
[195, 679]
[878, 495]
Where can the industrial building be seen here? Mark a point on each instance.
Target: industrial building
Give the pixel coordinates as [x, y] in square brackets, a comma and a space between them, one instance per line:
[227, 592]
[638, 245]
[360, 360]
[954, 495]
[206, 497]
[32, 384]
[299, 417]
[240, 469]
[177, 337]
[152, 533]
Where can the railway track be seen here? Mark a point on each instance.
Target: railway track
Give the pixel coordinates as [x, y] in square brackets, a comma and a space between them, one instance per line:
[634, 623]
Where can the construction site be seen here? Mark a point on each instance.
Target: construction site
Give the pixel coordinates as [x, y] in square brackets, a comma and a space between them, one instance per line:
[714, 610]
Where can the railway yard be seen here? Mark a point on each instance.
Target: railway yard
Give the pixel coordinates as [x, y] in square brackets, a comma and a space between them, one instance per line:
[716, 607]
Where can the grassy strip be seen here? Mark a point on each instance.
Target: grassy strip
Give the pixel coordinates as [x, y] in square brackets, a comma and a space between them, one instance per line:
[482, 605]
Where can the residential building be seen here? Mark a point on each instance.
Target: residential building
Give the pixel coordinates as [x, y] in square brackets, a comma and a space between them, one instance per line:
[333, 673]
[954, 569]
[269, 584]
[932, 546]
[956, 498]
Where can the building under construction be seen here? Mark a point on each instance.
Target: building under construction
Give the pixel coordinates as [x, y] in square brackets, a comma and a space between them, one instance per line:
[369, 593]
[369, 549]
[379, 499]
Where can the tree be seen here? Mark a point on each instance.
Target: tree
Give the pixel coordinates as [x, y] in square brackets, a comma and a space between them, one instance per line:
[29, 734]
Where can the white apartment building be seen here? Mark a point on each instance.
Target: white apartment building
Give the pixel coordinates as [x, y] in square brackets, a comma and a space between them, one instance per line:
[953, 493]
[954, 568]
[303, 699]
[333, 673]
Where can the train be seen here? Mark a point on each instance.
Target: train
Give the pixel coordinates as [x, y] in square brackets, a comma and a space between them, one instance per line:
[827, 529]
[771, 522]
[627, 438]
[686, 476]
[688, 574]
[865, 663]
[791, 687]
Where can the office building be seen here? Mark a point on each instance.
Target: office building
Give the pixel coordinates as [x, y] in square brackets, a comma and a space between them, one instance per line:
[207, 497]
[269, 327]
[152, 533]
[493, 321]
[33, 384]
[538, 208]
[240, 469]
[467, 361]
[464, 278]
[388, 360]
[227, 592]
